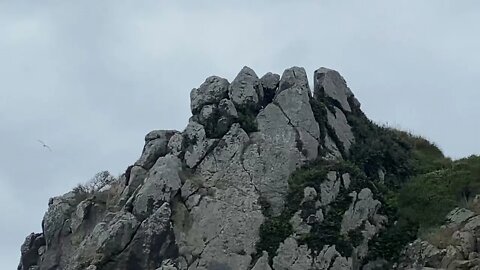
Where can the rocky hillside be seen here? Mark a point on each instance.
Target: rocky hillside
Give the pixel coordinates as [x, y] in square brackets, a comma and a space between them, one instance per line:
[267, 175]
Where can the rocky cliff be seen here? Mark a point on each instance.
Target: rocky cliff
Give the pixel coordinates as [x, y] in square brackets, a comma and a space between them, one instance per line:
[267, 175]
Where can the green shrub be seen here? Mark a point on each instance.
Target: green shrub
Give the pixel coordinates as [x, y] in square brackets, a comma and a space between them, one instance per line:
[380, 148]
[389, 243]
[247, 119]
[429, 197]
[273, 232]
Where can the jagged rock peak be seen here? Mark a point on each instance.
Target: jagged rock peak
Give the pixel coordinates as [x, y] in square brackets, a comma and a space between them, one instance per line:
[210, 92]
[197, 199]
[246, 91]
[331, 84]
[294, 77]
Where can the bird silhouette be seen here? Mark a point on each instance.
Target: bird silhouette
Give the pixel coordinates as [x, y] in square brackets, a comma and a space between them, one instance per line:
[45, 145]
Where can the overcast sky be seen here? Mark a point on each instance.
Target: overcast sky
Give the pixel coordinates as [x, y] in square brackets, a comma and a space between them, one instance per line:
[92, 78]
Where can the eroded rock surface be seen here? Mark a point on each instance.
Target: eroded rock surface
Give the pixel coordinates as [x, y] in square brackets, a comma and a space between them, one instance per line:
[198, 199]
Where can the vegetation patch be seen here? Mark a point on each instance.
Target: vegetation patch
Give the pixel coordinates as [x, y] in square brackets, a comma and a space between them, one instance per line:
[247, 119]
[429, 197]
[416, 184]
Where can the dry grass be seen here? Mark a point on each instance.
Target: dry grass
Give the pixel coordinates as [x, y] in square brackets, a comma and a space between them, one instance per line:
[440, 237]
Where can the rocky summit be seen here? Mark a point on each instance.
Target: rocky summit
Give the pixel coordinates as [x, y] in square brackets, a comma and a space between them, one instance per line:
[267, 175]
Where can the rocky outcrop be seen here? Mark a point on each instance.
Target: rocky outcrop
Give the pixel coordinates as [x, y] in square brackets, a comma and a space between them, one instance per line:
[453, 246]
[330, 83]
[200, 198]
[211, 91]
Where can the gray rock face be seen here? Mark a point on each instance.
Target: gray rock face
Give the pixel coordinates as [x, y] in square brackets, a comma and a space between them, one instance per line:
[211, 91]
[329, 188]
[262, 263]
[294, 77]
[458, 215]
[331, 84]
[458, 248]
[152, 244]
[196, 200]
[362, 208]
[57, 216]
[29, 251]
[291, 256]
[269, 83]
[272, 156]
[246, 90]
[161, 185]
[330, 258]
[342, 129]
[294, 101]
[155, 146]
[224, 225]
[198, 143]
[175, 144]
[207, 114]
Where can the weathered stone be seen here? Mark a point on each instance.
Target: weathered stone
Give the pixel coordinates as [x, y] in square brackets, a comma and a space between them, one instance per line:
[175, 144]
[223, 227]
[465, 241]
[152, 243]
[192, 202]
[294, 101]
[197, 143]
[262, 263]
[80, 214]
[269, 83]
[211, 91]
[346, 180]
[473, 225]
[342, 129]
[54, 221]
[419, 254]
[207, 114]
[30, 255]
[272, 156]
[159, 134]
[363, 207]
[457, 216]
[114, 236]
[309, 194]
[155, 146]
[161, 185]
[330, 258]
[291, 256]
[332, 149]
[300, 228]
[452, 254]
[227, 108]
[246, 90]
[331, 84]
[294, 77]
[329, 188]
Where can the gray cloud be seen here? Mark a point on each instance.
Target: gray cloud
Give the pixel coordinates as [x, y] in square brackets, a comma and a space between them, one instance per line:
[92, 78]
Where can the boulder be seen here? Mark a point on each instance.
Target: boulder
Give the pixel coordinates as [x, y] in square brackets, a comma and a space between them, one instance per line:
[362, 208]
[246, 91]
[160, 186]
[155, 146]
[330, 83]
[211, 91]
[339, 124]
[269, 83]
[292, 256]
[30, 257]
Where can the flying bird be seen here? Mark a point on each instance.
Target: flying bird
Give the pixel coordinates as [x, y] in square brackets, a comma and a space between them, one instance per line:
[45, 145]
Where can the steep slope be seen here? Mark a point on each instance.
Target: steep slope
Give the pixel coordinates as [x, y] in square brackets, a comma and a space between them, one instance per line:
[266, 175]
